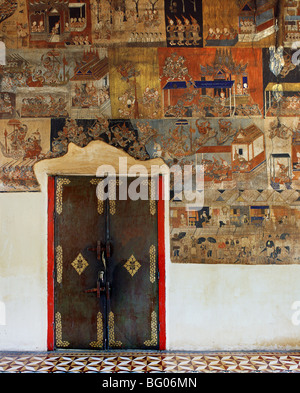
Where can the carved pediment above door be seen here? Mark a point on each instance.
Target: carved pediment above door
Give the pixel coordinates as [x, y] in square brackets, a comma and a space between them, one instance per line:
[87, 160]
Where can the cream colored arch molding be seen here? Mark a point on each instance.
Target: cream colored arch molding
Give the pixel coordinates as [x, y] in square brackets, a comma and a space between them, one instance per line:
[86, 161]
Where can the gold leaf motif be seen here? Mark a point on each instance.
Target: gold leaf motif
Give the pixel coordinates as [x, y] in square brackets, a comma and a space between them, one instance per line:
[112, 183]
[152, 191]
[100, 207]
[99, 342]
[79, 264]
[153, 341]
[111, 326]
[132, 265]
[58, 331]
[59, 190]
[152, 252]
[112, 199]
[152, 197]
[59, 264]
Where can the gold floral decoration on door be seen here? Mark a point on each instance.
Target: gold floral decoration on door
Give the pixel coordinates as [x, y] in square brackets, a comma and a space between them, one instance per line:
[79, 264]
[59, 191]
[111, 326]
[100, 196]
[59, 264]
[152, 253]
[153, 341]
[132, 265]
[99, 342]
[58, 332]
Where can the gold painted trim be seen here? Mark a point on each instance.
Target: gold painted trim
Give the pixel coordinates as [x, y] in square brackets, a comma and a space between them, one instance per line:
[59, 264]
[58, 332]
[111, 327]
[99, 342]
[152, 253]
[112, 207]
[153, 341]
[151, 195]
[112, 202]
[152, 198]
[100, 206]
[59, 191]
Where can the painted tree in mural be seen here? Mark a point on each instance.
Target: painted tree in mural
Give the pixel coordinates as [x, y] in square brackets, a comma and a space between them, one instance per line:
[7, 9]
[191, 1]
[175, 68]
[129, 73]
[136, 7]
[153, 2]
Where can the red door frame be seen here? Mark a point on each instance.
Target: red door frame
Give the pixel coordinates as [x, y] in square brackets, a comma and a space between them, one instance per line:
[50, 270]
[161, 264]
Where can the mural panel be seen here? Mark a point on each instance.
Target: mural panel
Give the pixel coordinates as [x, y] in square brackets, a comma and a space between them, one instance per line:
[184, 23]
[59, 23]
[237, 227]
[23, 142]
[209, 82]
[240, 23]
[134, 83]
[281, 82]
[128, 22]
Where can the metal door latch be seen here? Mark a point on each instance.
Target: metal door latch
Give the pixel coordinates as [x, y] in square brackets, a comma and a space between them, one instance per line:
[100, 247]
[101, 287]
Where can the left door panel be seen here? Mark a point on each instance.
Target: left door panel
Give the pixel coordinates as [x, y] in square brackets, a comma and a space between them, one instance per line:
[79, 225]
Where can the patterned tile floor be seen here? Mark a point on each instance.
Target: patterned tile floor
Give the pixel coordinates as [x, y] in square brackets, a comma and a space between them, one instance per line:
[149, 362]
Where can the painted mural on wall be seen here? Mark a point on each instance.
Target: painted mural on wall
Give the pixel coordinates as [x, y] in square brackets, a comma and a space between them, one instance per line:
[189, 81]
[211, 82]
[184, 23]
[240, 23]
[23, 142]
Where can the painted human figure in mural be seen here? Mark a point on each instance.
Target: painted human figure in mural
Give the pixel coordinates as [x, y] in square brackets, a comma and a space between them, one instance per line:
[195, 31]
[276, 63]
[6, 106]
[187, 31]
[180, 31]
[171, 30]
[52, 67]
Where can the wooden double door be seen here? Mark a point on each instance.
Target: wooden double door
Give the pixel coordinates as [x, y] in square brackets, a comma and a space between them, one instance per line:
[106, 268]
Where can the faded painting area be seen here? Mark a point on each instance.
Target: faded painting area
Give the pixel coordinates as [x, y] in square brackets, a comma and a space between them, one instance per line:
[23, 143]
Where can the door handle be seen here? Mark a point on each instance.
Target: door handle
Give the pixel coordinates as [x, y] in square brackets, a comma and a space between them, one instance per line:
[101, 275]
[98, 249]
[100, 285]
[101, 248]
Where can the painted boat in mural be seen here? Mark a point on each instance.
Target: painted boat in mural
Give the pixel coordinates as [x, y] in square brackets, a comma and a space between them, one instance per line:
[231, 42]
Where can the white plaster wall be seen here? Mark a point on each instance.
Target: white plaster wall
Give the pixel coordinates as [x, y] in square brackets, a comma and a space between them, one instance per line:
[233, 307]
[209, 307]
